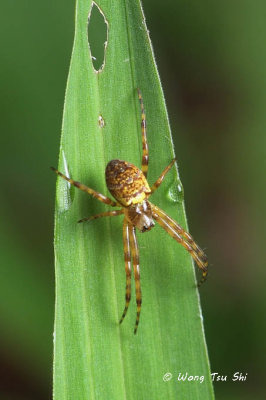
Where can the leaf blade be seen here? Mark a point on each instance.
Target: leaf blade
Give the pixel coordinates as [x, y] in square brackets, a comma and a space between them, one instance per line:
[89, 260]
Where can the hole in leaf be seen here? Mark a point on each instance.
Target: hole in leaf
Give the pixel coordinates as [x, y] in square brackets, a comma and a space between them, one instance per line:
[97, 36]
[101, 121]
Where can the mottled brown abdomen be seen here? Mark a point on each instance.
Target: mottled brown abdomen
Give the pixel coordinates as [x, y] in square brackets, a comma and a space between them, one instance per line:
[126, 182]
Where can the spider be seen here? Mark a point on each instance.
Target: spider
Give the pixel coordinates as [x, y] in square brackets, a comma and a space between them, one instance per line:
[128, 185]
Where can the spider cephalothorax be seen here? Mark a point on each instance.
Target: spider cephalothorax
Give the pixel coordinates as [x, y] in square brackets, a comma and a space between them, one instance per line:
[128, 184]
[140, 215]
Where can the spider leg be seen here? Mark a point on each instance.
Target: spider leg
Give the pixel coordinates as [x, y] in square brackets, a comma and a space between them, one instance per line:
[127, 256]
[103, 214]
[182, 232]
[162, 176]
[135, 258]
[97, 195]
[145, 149]
[182, 237]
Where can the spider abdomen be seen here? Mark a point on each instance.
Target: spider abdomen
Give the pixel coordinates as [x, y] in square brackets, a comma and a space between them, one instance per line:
[126, 182]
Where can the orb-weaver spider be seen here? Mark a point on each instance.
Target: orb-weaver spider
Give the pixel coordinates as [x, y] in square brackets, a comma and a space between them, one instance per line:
[129, 186]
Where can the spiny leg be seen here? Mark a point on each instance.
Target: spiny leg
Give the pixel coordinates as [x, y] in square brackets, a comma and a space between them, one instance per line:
[145, 149]
[182, 232]
[103, 214]
[173, 229]
[97, 195]
[162, 176]
[127, 256]
[135, 258]
[203, 278]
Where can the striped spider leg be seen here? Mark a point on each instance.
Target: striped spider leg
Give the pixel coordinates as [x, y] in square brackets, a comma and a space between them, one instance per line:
[99, 196]
[131, 249]
[128, 185]
[182, 237]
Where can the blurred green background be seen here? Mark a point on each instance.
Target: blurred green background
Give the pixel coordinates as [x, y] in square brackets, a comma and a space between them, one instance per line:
[212, 62]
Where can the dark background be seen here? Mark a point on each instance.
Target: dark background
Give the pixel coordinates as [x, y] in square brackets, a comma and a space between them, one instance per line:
[211, 58]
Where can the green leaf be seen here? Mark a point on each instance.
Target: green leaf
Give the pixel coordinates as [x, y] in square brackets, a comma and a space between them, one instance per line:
[95, 357]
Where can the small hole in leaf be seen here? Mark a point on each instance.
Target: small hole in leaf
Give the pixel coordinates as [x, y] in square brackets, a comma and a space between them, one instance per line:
[97, 36]
[101, 121]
